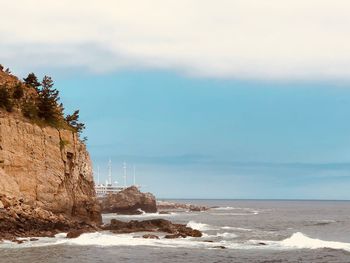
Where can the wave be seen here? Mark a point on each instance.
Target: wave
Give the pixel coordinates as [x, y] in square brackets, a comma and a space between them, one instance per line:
[201, 226]
[235, 214]
[224, 208]
[301, 241]
[241, 211]
[236, 228]
[227, 235]
[107, 239]
[143, 215]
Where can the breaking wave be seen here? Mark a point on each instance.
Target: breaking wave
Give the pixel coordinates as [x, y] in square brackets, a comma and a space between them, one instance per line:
[141, 216]
[301, 241]
[236, 228]
[201, 226]
[106, 239]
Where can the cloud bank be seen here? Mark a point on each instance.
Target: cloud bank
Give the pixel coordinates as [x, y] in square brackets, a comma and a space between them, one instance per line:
[246, 39]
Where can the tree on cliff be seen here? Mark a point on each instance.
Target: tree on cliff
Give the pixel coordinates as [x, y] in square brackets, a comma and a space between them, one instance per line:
[32, 80]
[5, 99]
[48, 108]
[73, 121]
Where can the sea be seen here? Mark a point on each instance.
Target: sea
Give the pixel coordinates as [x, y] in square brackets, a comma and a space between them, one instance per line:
[233, 231]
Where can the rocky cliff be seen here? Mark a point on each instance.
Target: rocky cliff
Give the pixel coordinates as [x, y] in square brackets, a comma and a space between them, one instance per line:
[49, 168]
[46, 167]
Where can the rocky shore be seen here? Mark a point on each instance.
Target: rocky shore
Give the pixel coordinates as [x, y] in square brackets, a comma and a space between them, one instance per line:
[18, 219]
[166, 206]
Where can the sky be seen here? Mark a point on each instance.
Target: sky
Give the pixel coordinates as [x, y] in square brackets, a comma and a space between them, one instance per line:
[207, 99]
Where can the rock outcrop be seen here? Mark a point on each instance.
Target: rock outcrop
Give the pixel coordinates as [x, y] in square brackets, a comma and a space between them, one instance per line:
[153, 225]
[164, 205]
[129, 201]
[18, 219]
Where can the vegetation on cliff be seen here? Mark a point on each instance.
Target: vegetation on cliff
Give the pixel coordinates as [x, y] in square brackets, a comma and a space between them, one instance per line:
[37, 101]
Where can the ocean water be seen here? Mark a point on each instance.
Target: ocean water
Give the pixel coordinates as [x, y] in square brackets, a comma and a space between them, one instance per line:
[249, 231]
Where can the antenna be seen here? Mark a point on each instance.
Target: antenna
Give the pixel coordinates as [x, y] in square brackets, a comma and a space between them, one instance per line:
[110, 171]
[124, 166]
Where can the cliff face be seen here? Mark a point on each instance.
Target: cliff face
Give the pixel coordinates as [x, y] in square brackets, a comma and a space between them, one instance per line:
[47, 167]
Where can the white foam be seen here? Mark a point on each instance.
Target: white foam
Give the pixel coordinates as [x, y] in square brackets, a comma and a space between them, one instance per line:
[235, 214]
[201, 226]
[227, 235]
[141, 216]
[236, 228]
[225, 208]
[243, 211]
[299, 240]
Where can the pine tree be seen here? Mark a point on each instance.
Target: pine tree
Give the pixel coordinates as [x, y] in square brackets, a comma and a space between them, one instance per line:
[73, 121]
[32, 80]
[48, 108]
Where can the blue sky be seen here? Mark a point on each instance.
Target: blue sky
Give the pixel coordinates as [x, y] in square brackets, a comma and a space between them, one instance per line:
[212, 138]
[208, 99]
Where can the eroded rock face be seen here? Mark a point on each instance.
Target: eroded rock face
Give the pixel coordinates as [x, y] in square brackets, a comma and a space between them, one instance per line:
[18, 219]
[129, 201]
[49, 168]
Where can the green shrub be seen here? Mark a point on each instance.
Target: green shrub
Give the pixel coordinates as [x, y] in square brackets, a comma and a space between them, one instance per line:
[29, 110]
[18, 92]
[5, 99]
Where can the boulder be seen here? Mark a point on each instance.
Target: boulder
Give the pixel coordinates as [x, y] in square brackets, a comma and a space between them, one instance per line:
[75, 233]
[130, 201]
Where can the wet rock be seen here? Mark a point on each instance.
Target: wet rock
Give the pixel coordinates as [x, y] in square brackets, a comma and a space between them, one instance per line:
[33, 239]
[220, 247]
[75, 233]
[129, 201]
[178, 235]
[153, 225]
[18, 241]
[22, 220]
[262, 244]
[164, 205]
[150, 236]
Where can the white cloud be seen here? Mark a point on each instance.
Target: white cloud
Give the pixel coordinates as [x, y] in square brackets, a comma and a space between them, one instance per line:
[260, 39]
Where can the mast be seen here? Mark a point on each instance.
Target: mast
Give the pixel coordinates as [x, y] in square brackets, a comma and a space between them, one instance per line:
[124, 166]
[110, 171]
[134, 175]
[98, 175]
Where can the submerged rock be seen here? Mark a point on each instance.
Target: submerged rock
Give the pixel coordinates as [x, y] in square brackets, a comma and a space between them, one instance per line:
[150, 236]
[129, 201]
